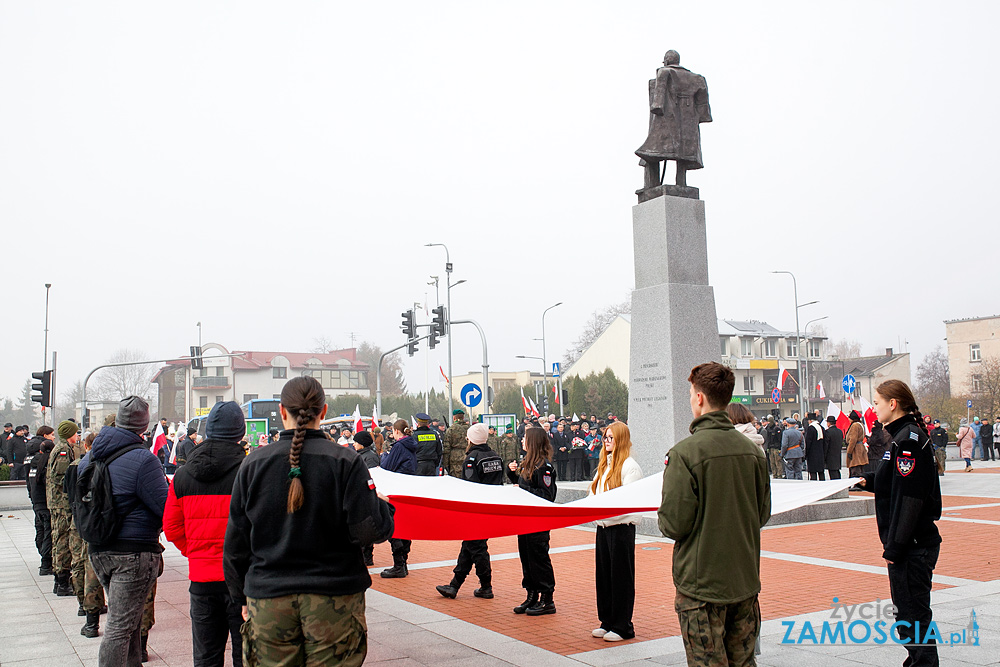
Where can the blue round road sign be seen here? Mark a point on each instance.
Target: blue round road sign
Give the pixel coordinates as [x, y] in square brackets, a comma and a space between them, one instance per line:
[849, 384]
[471, 395]
[776, 395]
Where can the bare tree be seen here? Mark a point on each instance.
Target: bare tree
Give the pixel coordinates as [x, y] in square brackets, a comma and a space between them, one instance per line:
[393, 382]
[594, 327]
[986, 386]
[66, 405]
[114, 384]
[932, 375]
[321, 345]
[845, 349]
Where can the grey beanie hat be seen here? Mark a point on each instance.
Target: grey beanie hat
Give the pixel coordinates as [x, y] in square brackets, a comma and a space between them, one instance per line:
[133, 414]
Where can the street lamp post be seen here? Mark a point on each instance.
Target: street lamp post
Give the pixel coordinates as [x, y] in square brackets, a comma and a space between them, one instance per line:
[528, 356]
[806, 330]
[45, 354]
[448, 286]
[798, 339]
[545, 368]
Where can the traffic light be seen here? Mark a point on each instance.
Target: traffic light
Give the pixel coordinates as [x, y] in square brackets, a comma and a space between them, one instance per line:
[409, 325]
[196, 361]
[411, 348]
[86, 418]
[43, 387]
[440, 324]
[565, 397]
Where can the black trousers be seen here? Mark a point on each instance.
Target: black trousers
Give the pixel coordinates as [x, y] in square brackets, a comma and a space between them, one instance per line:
[474, 552]
[43, 533]
[536, 566]
[988, 450]
[615, 558]
[400, 550]
[821, 475]
[834, 473]
[910, 587]
[561, 465]
[214, 619]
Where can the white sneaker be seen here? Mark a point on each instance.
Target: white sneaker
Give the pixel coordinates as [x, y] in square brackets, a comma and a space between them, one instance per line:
[599, 632]
[612, 637]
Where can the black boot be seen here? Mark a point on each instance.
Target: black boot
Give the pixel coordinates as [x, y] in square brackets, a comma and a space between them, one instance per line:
[528, 602]
[145, 655]
[93, 625]
[451, 590]
[543, 606]
[485, 590]
[80, 611]
[397, 571]
[45, 569]
[55, 582]
[63, 587]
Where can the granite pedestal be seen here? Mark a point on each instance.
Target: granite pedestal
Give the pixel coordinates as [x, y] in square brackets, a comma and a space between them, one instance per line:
[674, 325]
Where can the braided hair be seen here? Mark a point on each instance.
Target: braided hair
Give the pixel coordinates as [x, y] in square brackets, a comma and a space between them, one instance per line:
[303, 398]
[899, 390]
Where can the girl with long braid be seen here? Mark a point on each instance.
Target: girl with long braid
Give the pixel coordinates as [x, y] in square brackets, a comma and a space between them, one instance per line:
[302, 510]
[907, 503]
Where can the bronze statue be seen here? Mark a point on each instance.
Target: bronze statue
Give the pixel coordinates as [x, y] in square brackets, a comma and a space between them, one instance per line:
[678, 102]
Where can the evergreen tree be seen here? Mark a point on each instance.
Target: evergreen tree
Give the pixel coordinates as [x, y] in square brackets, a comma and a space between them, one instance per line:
[24, 409]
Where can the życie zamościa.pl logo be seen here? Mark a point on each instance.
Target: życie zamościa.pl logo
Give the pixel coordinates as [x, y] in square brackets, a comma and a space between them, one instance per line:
[874, 623]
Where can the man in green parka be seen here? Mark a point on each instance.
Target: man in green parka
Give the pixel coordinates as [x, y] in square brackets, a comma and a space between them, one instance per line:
[716, 498]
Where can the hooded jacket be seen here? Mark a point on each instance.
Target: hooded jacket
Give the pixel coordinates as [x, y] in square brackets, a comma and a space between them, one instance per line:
[716, 498]
[140, 490]
[402, 457]
[37, 463]
[197, 511]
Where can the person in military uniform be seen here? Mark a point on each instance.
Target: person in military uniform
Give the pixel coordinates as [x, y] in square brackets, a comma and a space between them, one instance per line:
[429, 446]
[508, 448]
[454, 444]
[716, 498]
[89, 592]
[482, 465]
[55, 494]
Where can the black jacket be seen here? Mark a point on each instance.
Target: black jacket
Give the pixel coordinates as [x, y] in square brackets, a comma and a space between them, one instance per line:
[37, 461]
[430, 447]
[560, 440]
[483, 465]
[369, 456]
[772, 436]
[815, 453]
[17, 450]
[270, 553]
[939, 437]
[542, 482]
[907, 492]
[833, 445]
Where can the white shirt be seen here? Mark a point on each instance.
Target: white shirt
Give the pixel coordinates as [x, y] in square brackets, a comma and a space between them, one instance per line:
[631, 472]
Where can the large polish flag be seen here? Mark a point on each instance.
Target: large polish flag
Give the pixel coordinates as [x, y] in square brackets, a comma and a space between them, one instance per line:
[159, 439]
[448, 508]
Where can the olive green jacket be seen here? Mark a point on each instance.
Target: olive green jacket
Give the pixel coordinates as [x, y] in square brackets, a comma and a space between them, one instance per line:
[716, 498]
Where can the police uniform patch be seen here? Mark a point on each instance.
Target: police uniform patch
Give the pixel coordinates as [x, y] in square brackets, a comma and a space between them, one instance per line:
[371, 484]
[666, 460]
[886, 456]
[905, 465]
[914, 436]
[547, 479]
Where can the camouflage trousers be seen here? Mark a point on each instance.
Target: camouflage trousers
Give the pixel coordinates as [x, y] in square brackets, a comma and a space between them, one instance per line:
[305, 629]
[456, 462]
[88, 589]
[717, 635]
[777, 465]
[62, 556]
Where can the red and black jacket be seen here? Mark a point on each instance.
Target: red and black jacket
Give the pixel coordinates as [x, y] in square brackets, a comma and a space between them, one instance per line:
[197, 510]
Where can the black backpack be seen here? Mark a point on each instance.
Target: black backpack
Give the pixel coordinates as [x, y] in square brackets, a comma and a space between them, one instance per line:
[94, 510]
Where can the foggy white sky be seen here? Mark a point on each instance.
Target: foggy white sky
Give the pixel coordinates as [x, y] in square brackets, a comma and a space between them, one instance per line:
[273, 169]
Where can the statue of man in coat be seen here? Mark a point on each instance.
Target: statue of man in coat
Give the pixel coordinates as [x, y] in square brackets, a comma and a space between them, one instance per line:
[678, 102]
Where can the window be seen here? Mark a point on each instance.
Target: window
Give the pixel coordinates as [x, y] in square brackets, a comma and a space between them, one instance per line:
[249, 397]
[770, 347]
[746, 347]
[203, 401]
[813, 349]
[974, 353]
[748, 384]
[724, 346]
[203, 372]
[220, 371]
[276, 397]
[219, 399]
[279, 372]
[791, 349]
[977, 385]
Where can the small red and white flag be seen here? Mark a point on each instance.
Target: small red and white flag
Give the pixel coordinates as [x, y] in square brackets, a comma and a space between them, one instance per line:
[843, 421]
[556, 392]
[159, 439]
[819, 388]
[357, 418]
[374, 416]
[524, 402]
[868, 416]
[785, 375]
[443, 375]
[534, 408]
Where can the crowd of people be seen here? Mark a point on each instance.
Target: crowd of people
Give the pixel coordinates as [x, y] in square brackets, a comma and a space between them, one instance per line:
[279, 537]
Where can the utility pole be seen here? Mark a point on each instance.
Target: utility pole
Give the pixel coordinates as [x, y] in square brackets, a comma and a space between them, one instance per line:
[45, 354]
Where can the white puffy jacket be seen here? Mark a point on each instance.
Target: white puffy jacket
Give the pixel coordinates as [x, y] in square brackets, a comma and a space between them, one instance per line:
[631, 472]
